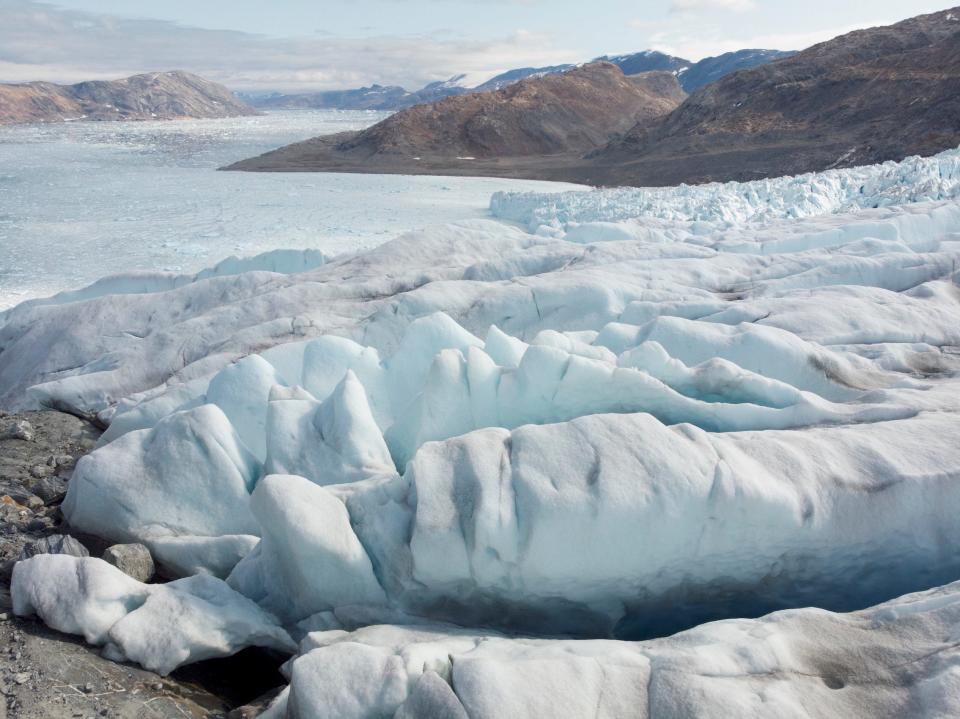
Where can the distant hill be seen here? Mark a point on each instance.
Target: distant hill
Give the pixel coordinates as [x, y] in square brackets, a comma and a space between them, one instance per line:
[647, 61]
[692, 76]
[511, 76]
[711, 69]
[151, 96]
[868, 96]
[375, 97]
[864, 97]
[558, 114]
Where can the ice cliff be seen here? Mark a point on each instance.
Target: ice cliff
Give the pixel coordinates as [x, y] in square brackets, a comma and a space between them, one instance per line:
[629, 414]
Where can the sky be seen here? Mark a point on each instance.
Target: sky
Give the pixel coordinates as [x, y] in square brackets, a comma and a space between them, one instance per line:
[304, 45]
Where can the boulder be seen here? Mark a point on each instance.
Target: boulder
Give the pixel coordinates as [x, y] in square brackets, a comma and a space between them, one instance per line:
[134, 560]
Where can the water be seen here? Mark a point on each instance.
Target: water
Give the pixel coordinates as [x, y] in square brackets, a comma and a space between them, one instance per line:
[82, 200]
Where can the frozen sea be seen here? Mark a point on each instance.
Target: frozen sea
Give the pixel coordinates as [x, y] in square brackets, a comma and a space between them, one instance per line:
[82, 200]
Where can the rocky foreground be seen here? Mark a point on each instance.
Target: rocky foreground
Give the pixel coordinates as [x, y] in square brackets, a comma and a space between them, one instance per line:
[48, 675]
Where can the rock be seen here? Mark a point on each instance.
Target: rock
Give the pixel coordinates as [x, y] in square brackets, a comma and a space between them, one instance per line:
[255, 708]
[18, 429]
[50, 489]
[41, 470]
[38, 524]
[21, 498]
[132, 559]
[55, 544]
[63, 460]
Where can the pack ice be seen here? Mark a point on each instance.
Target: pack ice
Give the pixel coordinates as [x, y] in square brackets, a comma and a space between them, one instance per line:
[608, 416]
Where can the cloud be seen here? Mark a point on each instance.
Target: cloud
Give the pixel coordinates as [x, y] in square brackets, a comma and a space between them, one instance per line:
[694, 5]
[699, 43]
[39, 41]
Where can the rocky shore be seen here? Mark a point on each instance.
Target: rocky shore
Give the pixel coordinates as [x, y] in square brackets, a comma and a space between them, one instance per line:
[48, 675]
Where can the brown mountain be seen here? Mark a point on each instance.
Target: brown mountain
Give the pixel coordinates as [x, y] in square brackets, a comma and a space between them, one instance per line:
[520, 129]
[868, 96]
[152, 96]
[871, 95]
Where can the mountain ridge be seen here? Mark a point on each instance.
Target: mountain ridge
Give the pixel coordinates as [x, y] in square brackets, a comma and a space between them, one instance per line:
[553, 115]
[864, 97]
[692, 75]
[148, 96]
[869, 96]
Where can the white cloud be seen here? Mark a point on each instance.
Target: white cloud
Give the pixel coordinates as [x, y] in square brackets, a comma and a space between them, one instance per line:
[693, 5]
[39, 41]
[696, 45]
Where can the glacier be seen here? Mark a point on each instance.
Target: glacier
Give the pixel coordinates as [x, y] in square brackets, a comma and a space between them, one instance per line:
[492, 460]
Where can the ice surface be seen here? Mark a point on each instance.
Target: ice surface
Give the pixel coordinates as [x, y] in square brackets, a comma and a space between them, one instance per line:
[897, 659]
[309, 559]
[159, 626]
[81, 200]
[915, 179]
[605, 428]
[189, 475]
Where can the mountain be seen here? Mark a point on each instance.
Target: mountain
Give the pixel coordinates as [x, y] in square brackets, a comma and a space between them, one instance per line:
[375, 97]
[151, 96]
[557, 115]
[511, 76]
[647, 61]
[865, 97]
[711, 69]
[868, 96]
[692, 76]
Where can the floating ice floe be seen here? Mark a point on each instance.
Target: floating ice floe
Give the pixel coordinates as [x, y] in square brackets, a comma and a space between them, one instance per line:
[610, 429]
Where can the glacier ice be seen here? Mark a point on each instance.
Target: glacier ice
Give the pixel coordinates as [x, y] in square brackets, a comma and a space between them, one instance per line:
[159, 626]
[309, 559]
[188, 475]
[915, 179]
[896, 659]
[635, 412]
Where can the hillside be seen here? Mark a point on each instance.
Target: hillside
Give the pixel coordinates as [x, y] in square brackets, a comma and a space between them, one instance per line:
[555, 116]
[869, 96]
[711, 69]
[692, 76]
[151, 96]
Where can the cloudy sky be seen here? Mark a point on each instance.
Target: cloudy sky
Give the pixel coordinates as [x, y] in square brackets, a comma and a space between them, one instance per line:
[326, 44]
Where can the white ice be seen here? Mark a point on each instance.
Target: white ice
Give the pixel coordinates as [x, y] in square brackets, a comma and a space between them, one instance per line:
[606, 425]
[896, 659]
[159, 626]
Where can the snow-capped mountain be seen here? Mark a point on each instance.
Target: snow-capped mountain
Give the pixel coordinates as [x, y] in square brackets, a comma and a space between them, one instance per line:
[691, 75]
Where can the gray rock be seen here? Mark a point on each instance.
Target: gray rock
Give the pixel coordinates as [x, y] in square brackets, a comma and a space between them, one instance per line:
[255, 708]
[131, 559]
[41, 470]
[50, 489]
[18, 429]
[55, 544]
